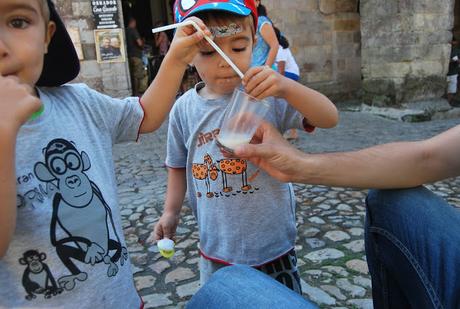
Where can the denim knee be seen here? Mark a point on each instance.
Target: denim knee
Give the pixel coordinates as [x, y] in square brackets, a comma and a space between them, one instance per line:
[398, 205]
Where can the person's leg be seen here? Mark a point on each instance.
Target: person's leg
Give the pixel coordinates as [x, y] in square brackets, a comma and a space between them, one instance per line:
[451, 88]
[412, 247]
[238, 287]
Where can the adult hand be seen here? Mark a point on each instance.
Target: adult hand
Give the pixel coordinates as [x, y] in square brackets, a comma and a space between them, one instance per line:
[270, 151]
[185, 44]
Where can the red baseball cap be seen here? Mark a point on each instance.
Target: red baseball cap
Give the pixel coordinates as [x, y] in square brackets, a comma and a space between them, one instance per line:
[186, 8]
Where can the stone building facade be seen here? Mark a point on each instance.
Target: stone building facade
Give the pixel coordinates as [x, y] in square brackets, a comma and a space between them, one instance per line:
[381, 52]
[110, 78]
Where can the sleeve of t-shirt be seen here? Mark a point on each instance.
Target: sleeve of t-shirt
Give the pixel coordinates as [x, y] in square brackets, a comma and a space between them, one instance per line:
[287, 117]
[176, 151]
[282, 55]
[121, 118]
[263, 21]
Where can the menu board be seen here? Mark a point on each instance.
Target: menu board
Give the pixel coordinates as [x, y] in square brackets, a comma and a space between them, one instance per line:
[105, 13]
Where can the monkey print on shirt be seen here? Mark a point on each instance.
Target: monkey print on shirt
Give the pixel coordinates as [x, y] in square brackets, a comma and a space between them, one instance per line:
[37, 278]
[82, 229]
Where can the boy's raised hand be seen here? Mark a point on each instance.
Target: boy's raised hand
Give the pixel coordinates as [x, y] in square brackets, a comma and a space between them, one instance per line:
[262, 82]
[17, 102]
[185, 44]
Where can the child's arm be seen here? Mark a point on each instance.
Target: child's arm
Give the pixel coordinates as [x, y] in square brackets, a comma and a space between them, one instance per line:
[160, 95]
[268, 34]
[16, 105]
[262, 82]
[175, 193]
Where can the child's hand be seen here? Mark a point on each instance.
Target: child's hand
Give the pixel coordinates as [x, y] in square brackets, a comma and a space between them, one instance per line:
[165, 228]
[185, 44]
[17, 102]
[262, 82]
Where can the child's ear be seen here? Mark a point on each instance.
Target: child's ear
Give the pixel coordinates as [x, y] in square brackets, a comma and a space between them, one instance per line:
[50, 29]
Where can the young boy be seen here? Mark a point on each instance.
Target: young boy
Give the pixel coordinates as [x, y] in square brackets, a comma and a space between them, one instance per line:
[245, 217]
[61, 240]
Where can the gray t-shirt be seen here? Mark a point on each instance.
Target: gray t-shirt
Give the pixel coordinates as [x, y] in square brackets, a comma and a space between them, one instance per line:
[244, 215]
[68, 250]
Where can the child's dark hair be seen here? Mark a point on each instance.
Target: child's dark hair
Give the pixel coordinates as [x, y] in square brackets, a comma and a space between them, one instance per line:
[281, 38]
[223, 17]
[261, 10]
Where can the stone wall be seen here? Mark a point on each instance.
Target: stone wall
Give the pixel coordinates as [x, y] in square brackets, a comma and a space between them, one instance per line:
[382, 52]
[405, 49]
[110, 78]
[325, 40]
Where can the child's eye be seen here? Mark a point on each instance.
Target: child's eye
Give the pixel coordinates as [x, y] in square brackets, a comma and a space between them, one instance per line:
[207, 53]
[19, 23]
[239, 50]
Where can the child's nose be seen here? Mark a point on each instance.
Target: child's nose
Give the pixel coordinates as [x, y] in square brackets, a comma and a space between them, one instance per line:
[223, 63]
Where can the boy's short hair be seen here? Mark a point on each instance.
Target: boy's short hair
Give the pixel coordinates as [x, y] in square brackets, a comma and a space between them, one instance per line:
[61, 63]
[187, 8]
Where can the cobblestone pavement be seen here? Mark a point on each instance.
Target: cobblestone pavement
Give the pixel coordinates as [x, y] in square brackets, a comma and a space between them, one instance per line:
[330, 242]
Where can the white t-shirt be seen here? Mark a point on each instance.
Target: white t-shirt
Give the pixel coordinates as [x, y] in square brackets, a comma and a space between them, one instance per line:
[68, 250]
[284, 54]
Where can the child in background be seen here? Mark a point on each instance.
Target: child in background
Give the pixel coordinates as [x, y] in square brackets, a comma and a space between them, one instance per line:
[286, 66]
[452, 74]
[61, 238]
[244, 215]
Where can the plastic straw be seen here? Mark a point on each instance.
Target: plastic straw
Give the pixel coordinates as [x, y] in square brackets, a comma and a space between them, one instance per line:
[210, 41]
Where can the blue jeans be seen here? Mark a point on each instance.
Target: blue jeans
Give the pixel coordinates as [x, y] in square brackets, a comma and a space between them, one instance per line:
[238, 287]
[413, 249]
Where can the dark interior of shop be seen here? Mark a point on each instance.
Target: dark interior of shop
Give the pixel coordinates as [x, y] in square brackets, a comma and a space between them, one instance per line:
[150, 14]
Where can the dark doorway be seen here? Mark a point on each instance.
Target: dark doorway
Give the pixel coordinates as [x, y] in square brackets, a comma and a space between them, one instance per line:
[456, 29]
[148, 14]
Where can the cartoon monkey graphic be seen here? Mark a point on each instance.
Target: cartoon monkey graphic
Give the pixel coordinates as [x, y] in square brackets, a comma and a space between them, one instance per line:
[37, 278]
[80, 211]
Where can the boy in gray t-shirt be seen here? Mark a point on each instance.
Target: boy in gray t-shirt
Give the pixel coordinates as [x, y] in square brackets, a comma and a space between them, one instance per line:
[244, 216]
[61, 238]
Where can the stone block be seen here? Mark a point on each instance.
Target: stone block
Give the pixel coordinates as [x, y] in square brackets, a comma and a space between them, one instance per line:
[347, 25]
[347, 6]
[389, 70]
[81, 9]
[90, 69]
[416, 88]
[318, 54]
[343, 37]
[327, 6]
[314, 77]
[89, 51]
[427, 68]
[308, 67]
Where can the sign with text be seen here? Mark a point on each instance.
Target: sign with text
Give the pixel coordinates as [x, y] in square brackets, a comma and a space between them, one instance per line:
[105, 14]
